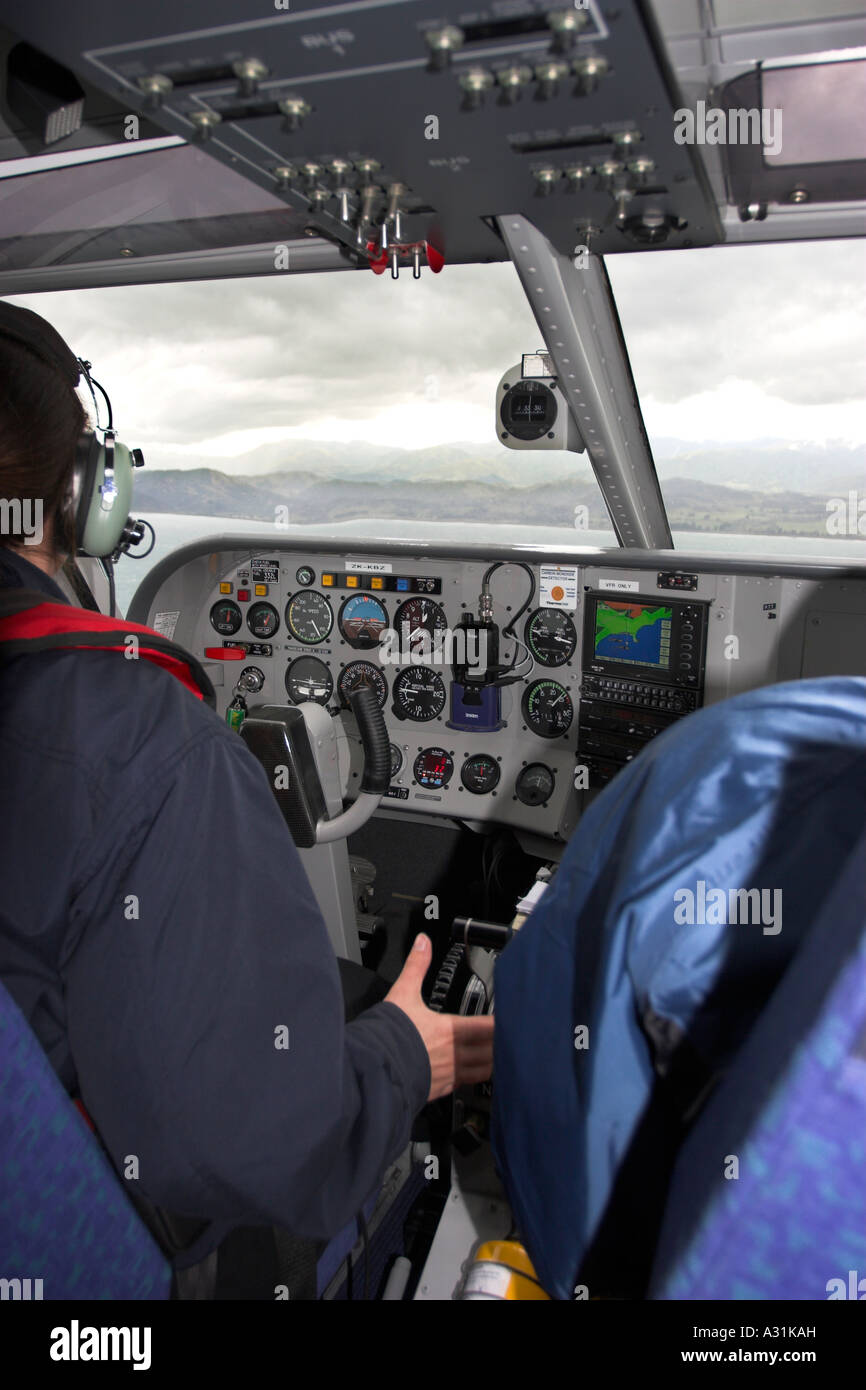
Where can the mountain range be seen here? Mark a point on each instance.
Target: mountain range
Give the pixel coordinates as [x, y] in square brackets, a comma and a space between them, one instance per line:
[705, 489]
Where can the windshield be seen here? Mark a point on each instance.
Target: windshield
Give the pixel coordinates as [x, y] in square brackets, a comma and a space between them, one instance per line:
[346, 400]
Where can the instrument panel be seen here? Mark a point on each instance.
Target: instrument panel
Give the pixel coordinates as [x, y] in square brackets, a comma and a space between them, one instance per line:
[585, 658]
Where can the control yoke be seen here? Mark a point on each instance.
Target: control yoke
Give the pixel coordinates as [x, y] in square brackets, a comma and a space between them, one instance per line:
[297, 746]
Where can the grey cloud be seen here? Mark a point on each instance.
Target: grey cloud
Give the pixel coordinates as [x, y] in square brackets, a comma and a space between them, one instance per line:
[189, 362]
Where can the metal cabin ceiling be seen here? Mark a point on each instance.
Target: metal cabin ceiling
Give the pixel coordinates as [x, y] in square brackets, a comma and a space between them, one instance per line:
[569, 98]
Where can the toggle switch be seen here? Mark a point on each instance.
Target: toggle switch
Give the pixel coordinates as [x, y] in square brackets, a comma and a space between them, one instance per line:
[608, 170]
[155, 87]
[589, 71]
[566, 26]
[577, 174]
[205, 122]
[284, 174]
[443, 44]
[395, 192]
[369, 194]
[343, 194]
[295, 110]
[546, 178]
[548, 75]
[249, 72]
[513, 79]
[626, 140]
[642, 167]
[339, 170]
[475, 82]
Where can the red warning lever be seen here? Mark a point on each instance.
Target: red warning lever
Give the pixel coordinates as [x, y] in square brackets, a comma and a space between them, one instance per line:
[402, 253]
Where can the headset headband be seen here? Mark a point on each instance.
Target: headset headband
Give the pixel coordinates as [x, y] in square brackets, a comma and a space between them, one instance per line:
[35, 333]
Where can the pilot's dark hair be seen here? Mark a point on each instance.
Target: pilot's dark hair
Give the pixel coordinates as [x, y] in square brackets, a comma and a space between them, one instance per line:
[41, 421]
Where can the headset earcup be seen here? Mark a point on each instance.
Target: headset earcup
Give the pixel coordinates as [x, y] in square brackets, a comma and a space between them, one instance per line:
[102, 518]
[88, 462]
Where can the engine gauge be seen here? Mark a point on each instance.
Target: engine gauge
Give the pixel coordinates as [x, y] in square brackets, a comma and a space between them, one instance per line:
[396, 760]
[417, 621]
[419, 694]
[535, 784]
[547, 708]
[433, 768]
[308, 678]
[480, 774]
[359, 673]
[226, 618]
[263, 620]
[362, 620]
[309, 617]
[551, 636]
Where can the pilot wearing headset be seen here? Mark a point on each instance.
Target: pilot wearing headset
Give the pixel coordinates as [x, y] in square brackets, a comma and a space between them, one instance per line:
[157, 929]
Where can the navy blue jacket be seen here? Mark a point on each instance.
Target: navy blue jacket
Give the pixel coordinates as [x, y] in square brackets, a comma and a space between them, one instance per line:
[157, 930]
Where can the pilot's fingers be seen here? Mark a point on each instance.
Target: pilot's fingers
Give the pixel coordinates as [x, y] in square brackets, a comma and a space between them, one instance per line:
[470, 1032]
[408, 983]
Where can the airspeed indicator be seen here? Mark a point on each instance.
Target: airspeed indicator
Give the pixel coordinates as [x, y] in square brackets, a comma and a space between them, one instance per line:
[551, 636]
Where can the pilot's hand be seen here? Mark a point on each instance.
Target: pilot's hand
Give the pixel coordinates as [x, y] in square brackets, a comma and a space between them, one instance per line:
[460, 1049]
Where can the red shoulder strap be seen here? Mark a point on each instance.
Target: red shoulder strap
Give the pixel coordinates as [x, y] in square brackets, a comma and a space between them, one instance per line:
[31, 623]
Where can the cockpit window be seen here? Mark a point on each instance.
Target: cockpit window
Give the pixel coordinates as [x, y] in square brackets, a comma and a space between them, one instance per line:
[749, 363]
[354, 403]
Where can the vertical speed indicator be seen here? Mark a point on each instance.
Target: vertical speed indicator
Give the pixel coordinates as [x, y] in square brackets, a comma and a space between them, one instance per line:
[419, 694]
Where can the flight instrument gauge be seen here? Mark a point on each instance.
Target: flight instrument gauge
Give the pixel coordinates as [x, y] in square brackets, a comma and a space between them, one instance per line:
[417, 621]
[226, 617]
[480, 774]
[535, 784]
[433, 768]
[551, 636]
[359, 673]
[309, 617]
[419, 694]
[308, 678]
[362, 620]
[263, 620]
[396, 760]
[547, 708]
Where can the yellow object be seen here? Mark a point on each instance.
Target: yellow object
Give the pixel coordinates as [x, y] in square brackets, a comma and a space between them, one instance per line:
[377, 583]
[351, 581]
[327, 581]
[226, 588]
[501, 1269]
[261, 590]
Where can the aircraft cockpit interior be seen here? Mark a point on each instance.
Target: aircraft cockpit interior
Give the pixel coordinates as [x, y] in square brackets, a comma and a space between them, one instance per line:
[609, 764]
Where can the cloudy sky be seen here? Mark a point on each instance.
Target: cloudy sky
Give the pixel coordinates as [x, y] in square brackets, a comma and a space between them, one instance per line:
[727, 344]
